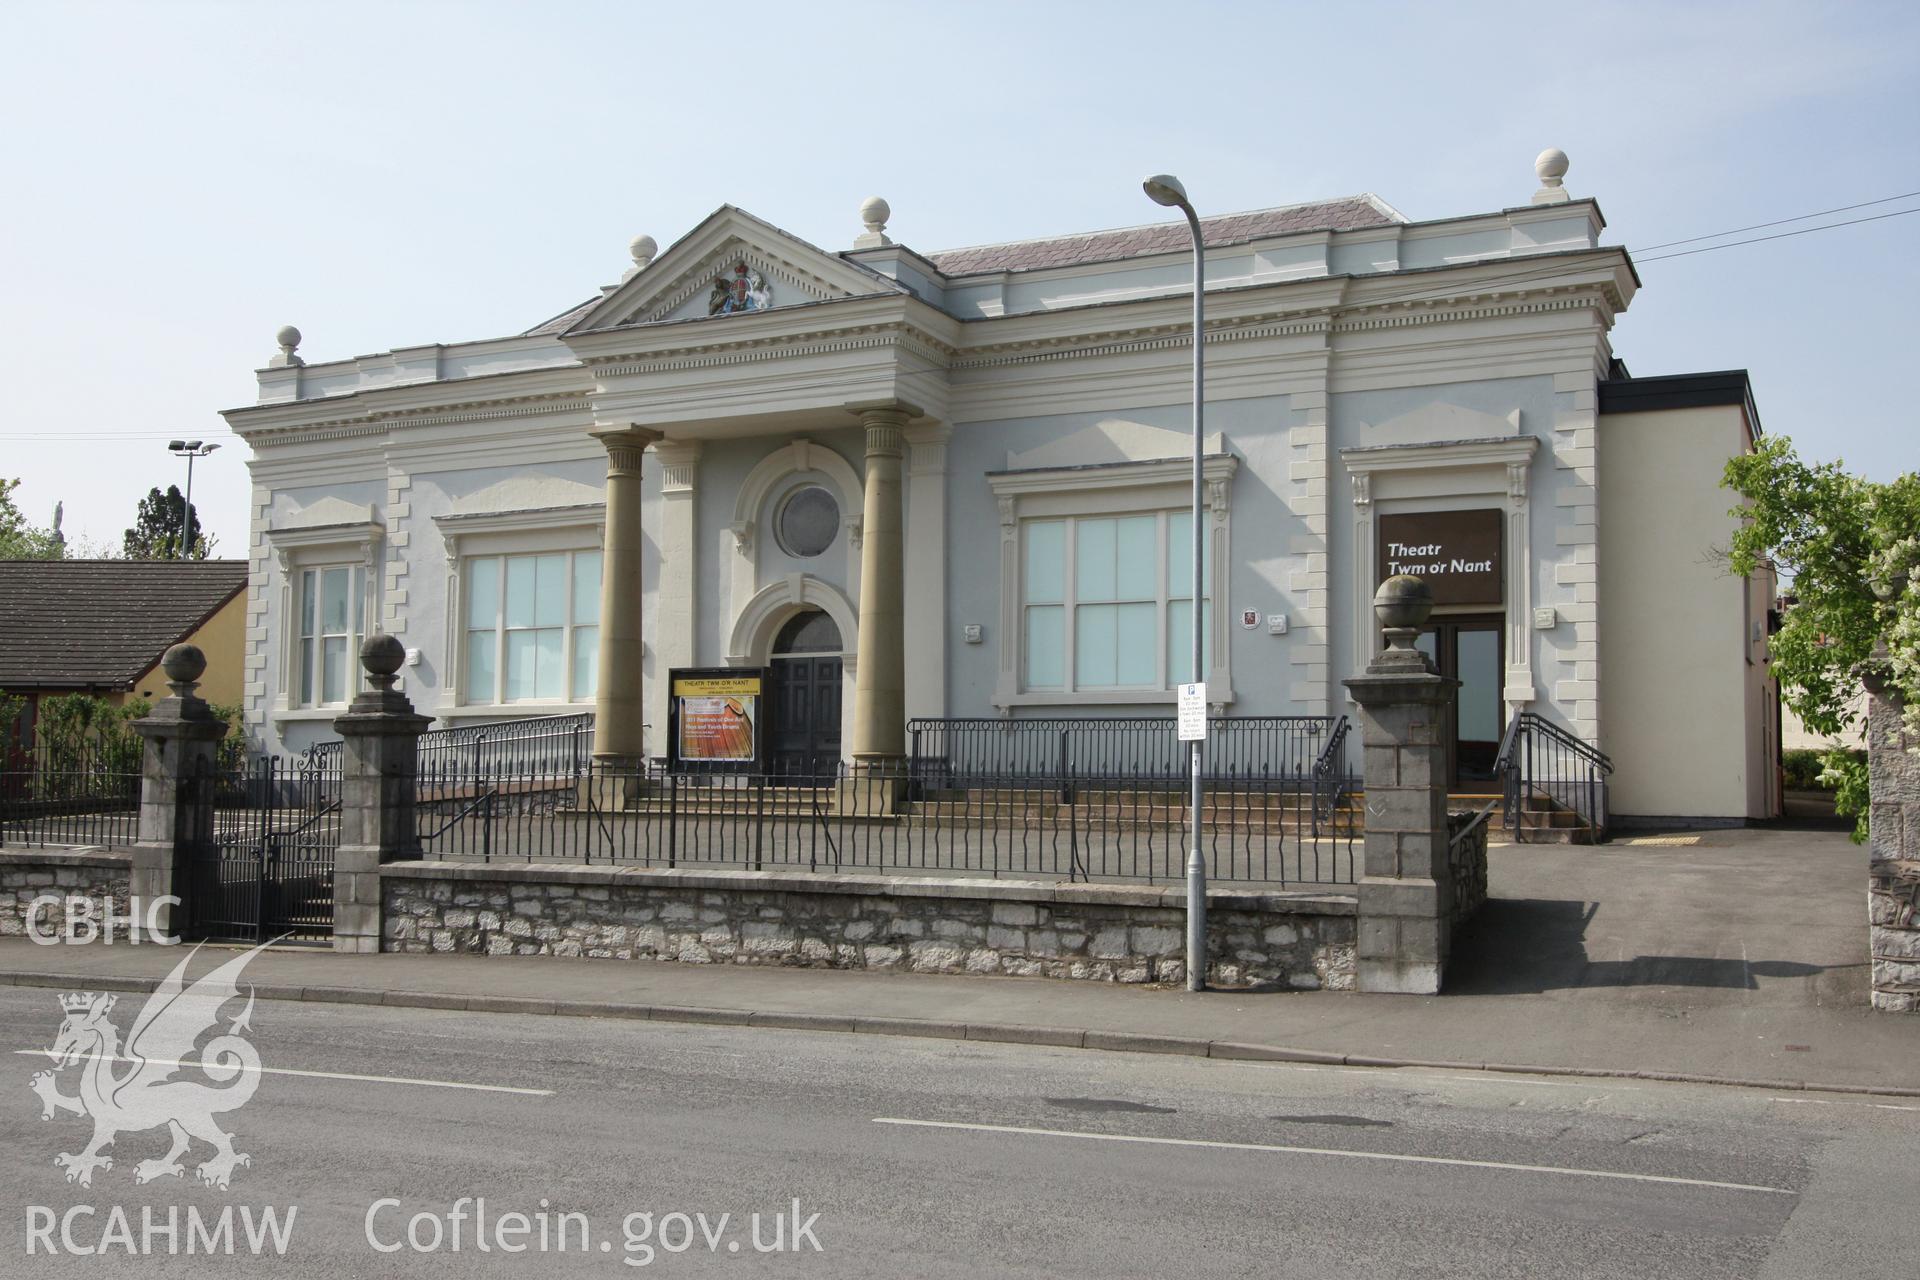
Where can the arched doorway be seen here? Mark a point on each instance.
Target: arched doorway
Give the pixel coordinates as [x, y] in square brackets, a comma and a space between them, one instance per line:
[807, 666]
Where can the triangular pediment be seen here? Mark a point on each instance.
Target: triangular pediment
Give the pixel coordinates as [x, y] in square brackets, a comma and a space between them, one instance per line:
[732, 264]
[1109, 441]
[530, 491]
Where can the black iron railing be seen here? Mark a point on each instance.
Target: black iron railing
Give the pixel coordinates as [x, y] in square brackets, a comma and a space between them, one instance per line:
[957, 752]
[533, 744]
[1543, 767]
[1257, 826]
[80, 795]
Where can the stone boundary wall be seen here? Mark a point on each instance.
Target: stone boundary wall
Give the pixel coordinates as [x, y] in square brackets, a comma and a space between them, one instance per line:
[28, 873]
[1893, 869]
[1111, 933]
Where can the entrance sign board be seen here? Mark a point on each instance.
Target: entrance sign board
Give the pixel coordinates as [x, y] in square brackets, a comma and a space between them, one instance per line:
[717, 719]
[1458, 553]
[1193, 713]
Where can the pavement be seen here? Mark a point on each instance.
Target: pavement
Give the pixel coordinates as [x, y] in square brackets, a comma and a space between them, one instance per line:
[1731, 957]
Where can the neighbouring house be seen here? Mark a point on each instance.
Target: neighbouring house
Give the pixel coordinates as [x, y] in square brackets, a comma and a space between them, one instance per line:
[847, 495]
[101, 626]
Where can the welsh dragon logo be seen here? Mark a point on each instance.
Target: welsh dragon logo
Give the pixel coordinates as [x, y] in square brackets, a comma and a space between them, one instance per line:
[146, 1094]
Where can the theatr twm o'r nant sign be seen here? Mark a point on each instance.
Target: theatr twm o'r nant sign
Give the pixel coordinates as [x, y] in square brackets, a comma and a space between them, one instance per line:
[1457, 552]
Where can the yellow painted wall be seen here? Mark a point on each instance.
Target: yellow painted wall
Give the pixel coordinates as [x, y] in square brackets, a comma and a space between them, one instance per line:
[223, 638]
[1685, 696]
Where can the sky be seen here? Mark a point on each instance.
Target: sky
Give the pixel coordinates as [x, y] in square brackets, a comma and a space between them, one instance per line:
[181, 179]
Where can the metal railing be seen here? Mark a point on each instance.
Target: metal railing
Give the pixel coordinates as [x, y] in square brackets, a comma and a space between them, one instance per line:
[532, 744]
[79, 795]
[1542, 763]
[267, 872]
[1258, 826]
[955, 752]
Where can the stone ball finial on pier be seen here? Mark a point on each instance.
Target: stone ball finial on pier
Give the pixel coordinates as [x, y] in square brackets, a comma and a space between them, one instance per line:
[184, 664]
[288, 339]
[1551, 166]
[1402, 604]
[382, 655]
[874, 213]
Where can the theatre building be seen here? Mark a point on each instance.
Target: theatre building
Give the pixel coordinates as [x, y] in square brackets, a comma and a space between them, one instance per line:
[853, 494]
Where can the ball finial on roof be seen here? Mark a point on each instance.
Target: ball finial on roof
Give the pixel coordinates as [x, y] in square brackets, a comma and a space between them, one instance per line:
[874, 213]
[1551, 166]
[288, 338]
[643, 249]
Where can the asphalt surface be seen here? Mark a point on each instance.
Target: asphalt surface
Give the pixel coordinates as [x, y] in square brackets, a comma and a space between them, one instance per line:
[1312, 1171]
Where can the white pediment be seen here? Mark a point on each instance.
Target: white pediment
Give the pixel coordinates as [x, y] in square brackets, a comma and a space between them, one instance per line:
[327, 513]
[1439, 422]
[530, 492]
[1108, 441]
[732, 264]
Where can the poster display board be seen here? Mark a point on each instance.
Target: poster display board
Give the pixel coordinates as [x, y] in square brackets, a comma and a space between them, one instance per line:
[1458, 553]
[717, 719]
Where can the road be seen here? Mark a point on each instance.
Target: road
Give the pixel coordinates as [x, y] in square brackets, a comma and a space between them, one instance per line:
[930, 1158]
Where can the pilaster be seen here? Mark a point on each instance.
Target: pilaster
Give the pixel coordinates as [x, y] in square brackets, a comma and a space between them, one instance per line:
[181, 740]
[1309, 653]
[926, 570]
[1576, 679]
[675, 642]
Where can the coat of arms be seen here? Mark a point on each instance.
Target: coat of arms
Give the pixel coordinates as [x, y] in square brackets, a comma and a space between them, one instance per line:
[744, 290]
[146, 1094]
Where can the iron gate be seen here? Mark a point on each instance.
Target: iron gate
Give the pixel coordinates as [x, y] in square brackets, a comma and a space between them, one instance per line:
[267, 871]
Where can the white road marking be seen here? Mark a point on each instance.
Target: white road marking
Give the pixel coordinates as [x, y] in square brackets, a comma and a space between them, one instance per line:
[338, 1075]
[1841, 1102]
[1390, 1156]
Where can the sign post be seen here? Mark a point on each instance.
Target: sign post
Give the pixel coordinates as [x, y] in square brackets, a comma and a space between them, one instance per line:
[1192, 717]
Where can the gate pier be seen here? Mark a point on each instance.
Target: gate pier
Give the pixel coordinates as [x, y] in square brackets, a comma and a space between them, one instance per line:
[176, 801]
[379, 776]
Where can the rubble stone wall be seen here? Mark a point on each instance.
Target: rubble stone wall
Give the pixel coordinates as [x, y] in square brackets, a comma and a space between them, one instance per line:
[1112, 933]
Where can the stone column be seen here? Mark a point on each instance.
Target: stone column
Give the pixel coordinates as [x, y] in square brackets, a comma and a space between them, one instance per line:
[1893, 848]
[619, 711]
[880, 681]
[177, 768]
[379, 782]
[1406, 891]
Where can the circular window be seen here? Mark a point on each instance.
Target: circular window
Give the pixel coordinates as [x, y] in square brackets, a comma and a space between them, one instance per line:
[807, 521]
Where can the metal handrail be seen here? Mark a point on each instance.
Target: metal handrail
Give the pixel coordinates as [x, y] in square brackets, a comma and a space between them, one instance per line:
[1538, 756]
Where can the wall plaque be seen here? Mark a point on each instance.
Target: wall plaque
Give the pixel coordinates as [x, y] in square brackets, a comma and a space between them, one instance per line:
[1457, 552]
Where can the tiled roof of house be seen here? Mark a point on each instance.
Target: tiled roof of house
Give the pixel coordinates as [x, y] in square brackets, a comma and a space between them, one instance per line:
[1345, 214]
[566, 319]
[101, 623]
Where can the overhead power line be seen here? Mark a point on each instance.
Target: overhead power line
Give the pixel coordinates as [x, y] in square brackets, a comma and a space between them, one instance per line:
[1779, 222]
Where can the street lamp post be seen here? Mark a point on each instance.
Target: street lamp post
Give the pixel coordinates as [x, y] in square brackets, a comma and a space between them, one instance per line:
[188, 449]
[1165, 189]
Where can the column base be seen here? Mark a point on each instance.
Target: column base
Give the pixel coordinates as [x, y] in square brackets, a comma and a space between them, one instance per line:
[615, 782]
[874, 786]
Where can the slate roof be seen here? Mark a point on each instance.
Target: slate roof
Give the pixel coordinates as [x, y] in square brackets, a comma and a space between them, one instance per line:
[1348, 213]
[1345, 214]
[67, 624]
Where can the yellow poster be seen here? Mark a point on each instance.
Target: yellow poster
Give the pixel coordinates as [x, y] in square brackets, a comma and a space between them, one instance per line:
[717, 687]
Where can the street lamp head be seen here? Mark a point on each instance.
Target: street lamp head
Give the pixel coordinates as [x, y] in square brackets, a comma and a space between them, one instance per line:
[210, 448]
[193, 444]
[176, 445]
[1164, 188]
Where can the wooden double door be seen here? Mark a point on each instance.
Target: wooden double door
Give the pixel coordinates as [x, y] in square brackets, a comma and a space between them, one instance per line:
[806, 675]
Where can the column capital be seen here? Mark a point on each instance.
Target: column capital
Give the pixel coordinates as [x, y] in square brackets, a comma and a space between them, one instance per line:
[625, 445]
[678, 459]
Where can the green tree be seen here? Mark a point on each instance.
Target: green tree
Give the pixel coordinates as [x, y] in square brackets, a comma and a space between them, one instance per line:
[20, 540]
[1852, 549]
[159, 529]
